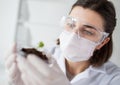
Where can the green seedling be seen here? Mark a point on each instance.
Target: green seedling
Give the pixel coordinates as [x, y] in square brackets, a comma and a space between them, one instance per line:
[40, 44]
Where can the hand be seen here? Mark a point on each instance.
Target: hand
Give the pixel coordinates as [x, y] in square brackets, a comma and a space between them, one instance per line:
[36, 72]
[12, 70]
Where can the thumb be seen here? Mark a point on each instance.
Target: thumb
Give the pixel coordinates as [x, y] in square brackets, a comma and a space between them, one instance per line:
[11, 51]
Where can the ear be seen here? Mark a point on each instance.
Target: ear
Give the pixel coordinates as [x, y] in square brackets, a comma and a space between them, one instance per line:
[103, 43]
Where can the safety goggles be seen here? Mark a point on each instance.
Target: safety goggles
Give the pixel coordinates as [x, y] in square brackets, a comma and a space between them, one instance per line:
[84, 30]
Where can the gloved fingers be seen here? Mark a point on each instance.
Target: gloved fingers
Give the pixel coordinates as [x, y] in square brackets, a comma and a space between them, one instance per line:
[13, 71]
[40, 65]
[10, 61]
[30, 69]
[40, 81]
[36, 82]
[53, 64]
[44, 68]
[26, 80]
[31, 72]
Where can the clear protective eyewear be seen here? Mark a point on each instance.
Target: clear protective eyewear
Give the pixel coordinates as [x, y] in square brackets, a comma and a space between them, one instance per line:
[86, 31]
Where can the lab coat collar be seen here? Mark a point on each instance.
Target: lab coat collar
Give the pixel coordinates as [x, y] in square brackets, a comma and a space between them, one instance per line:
[82, 75]
[86, 73]
[101, 69]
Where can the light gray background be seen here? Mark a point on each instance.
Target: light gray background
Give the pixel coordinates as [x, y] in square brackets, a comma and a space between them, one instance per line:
[44, 17]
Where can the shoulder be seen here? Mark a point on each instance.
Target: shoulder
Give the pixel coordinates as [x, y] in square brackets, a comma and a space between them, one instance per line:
[113, 72]
[111, 68]
[107, 68]
[111, 75]
[108, 74]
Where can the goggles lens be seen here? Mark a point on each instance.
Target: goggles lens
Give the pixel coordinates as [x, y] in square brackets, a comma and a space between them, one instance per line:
[87, 31]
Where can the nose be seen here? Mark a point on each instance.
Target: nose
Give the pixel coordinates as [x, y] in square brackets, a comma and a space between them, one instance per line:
[76, 30]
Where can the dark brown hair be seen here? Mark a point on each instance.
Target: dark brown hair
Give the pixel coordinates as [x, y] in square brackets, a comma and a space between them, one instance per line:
[107, 11]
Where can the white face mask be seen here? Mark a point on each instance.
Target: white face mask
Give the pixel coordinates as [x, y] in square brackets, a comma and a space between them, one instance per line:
[76, 48]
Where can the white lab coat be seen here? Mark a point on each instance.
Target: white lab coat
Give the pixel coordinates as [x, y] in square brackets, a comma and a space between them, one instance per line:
[107, 74]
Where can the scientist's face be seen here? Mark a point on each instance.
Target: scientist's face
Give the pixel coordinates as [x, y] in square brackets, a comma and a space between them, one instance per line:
[84, 32]
[88, 24]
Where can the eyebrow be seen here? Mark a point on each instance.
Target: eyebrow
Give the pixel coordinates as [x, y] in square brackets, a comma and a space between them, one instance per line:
[89, 26]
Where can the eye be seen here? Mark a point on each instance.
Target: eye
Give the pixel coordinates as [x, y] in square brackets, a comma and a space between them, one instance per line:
[86, 32]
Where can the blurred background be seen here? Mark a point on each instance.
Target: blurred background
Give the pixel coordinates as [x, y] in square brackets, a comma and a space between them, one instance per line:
[42, 18]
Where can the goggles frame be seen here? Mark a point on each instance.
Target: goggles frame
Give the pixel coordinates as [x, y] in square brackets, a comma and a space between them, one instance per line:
[74, 20]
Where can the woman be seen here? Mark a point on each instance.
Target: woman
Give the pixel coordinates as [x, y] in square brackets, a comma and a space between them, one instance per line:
[84, 53]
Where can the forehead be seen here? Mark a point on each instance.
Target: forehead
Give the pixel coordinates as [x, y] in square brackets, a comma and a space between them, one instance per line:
[88, 16]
